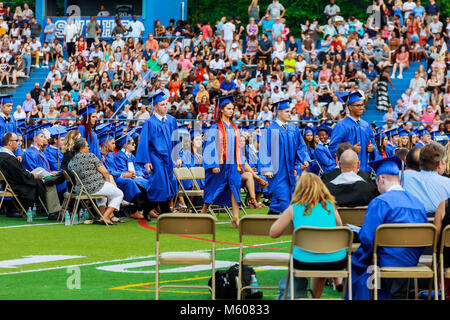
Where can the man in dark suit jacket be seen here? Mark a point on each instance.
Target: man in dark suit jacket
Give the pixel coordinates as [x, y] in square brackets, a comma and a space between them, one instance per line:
[349, 189]
[331, 175]
[27, 186]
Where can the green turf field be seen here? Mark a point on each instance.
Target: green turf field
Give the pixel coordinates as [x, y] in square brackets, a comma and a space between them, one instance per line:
[46, 260]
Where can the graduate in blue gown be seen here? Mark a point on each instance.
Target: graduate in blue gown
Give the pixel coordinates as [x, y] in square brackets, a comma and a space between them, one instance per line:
[54, 153]
[157, 152]
[130, 189]
[7, 122]
[87, 127]
[193, 158]
[392, 143]
[308, 138]
[282, 150]
[356, 131]
[321, 153]
[222, 160]
[125, 161]
[393, 205]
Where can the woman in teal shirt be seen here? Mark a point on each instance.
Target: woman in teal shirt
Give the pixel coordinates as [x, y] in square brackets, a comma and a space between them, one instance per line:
[312, 205]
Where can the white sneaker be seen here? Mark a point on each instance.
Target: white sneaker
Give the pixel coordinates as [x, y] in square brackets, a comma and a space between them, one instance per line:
[392, 76]
[400, 77]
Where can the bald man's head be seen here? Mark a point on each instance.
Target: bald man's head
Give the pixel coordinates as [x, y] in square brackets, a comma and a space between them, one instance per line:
[349, 161]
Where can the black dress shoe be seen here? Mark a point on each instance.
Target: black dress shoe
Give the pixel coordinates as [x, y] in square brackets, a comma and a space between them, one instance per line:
[13, 214]
[53, 216]
[147, 216]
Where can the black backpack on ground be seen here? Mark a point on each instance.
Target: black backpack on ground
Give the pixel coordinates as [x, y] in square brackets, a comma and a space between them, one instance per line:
[226, 283]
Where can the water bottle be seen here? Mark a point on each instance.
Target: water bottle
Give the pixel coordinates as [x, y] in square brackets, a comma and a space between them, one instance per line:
[29, 216]
[67, 218]
[75, 220]
[34, 211]
[82, 217]
[254, 283]
[86, 215]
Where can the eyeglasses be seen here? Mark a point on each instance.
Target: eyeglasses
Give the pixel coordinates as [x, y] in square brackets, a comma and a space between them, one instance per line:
[358, 105]
[14, 140]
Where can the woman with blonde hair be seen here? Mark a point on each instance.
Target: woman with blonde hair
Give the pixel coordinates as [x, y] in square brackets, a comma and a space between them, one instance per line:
[447, 163]
[69, 141]
[312, 205]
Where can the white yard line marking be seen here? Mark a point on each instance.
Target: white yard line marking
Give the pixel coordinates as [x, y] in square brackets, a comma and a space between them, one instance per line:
[127, 259]
[30, 225]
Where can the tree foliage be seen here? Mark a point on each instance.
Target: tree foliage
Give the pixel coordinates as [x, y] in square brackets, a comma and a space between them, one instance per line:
[297, 11]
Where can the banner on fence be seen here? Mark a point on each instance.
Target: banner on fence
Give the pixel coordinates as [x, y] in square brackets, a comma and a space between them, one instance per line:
[106, 23]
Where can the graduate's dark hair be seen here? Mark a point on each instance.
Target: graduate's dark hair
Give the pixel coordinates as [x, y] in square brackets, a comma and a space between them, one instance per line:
[430, 156]
[86, 122]
[412, 159]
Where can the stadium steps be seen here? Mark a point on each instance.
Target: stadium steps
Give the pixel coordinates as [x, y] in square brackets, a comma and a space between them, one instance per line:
[400, 85]
[36, 75]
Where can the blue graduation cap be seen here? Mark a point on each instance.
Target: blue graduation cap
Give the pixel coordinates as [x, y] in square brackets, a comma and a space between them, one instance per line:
[380, 136]
[412, 132]
[6, 98]
[221, 101]
[195, 133]
[87, 110]
[122, 140]
[282, 105]
[350, 98]
[158, 97]
[33, 132]
[403, 133]
[308, 129]
[326, 128]
[21, 123]
[105, 137]
[102, 128]
[183, 130]
[389, 166]
[57, 131]
[391, 133]
[118, 130]
[423, 132]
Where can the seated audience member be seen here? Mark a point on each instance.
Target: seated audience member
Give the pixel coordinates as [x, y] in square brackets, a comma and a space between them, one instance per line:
[442, 220]
[428, 185]
[27, 186]
[348, 188]
[393, 205]
[413, 160]
[96, 179]
[312, 205]
[67, 148]
[331, 175]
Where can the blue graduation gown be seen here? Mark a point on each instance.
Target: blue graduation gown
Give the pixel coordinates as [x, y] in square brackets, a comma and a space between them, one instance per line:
[348, 131]
[324, 158]
[121, 161]
[390, 149]
[281, 152]
[394, 206]
[127, 185]
[314, 167]
[94, 146]
[218, 186]
[34, 158]
[191, 160]
[55, 164]
[419, 144]
[156, 142]
[10, 126]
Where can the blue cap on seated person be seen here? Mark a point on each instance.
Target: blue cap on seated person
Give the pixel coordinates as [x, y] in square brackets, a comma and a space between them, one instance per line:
[102, 128]
[390, 166]
[351, 98]
[195, 133]
[87, 110]
[380, 136]
[6, 98]
[423, 132]
[412, 132]
[57, 131]
[118, 130]
[308, 129]
[324, 127]
[122, 140]
[391, 133]
[158, 97]
[105, 137]
[33, 132]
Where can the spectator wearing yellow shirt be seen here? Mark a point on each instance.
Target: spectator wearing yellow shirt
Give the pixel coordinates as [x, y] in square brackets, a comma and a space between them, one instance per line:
[289, 65]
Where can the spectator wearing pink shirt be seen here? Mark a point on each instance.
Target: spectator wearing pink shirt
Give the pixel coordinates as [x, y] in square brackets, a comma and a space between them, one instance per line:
[428, 116]
[186, 64]
[151, 43]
